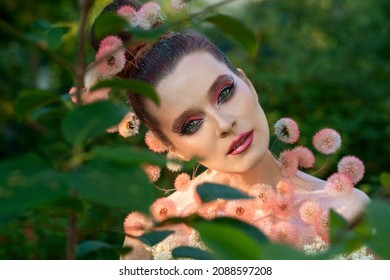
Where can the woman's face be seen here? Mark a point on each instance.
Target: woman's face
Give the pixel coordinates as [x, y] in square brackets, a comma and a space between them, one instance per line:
[209, 113]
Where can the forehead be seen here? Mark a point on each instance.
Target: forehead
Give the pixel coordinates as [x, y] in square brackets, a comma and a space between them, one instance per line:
[192, 77]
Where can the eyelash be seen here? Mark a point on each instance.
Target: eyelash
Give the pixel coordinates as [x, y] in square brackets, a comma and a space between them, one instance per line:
[228, 87]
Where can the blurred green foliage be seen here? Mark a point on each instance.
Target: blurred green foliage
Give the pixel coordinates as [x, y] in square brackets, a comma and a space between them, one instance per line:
[65, 186]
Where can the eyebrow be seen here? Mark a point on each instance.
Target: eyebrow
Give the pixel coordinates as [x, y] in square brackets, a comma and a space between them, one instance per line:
[183, 116]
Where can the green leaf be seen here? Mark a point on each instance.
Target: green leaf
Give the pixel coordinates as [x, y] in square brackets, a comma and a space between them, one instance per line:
[26, 182]
[30, 100]
[54, 36]
[46, 33]
[108, 24]
[95, 10]
[154, 237]
[385, 181]
[191, 252]
[250, 230]
[209, 192]
[91, 120]
[338, 227]
[378, 213]
[86, 247]
[132, 86]
[127, 156]
[237, 29]
[151, 34]
[227, 242]
[275, 251]
[113, 185]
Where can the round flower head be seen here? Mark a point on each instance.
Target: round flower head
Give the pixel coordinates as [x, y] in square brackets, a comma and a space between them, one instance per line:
[212, 209]
[163, 208]
[182, 182]
[310, 212]
[351, 166]
[289, 162]
[152, 171]
[285, 188]
[285, 232]
[149, 15]
[129, 125]
[136, 224]
[172, 162]
[282, 207]
[305, 157]
[127, 12]
[110, 57]
[339, 184]
[287, 130]
[327, 141]
[264, 196]
[321, 227]
[242, 209]
[154, 143]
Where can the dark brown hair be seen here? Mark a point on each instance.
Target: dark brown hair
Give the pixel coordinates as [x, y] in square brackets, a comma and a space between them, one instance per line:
[151, 62]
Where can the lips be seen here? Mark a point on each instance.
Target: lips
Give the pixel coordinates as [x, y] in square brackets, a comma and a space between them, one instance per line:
[241, 143]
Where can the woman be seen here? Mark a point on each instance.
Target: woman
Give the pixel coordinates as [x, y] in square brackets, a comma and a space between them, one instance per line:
[210, 111]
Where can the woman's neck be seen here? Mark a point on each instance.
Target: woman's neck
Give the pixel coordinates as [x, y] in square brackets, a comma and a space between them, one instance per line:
[266, 172]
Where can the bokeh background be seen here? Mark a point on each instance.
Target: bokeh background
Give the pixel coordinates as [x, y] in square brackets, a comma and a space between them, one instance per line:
[324, 63]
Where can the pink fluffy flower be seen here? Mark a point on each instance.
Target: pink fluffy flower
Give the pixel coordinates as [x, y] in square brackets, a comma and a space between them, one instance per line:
[148, 16]
[129, 125]
[111, 41]
[152, 171]
[327, 141]
[287, 130]
[110, 57]
[339, 184]
[213, 209]
[163, 208]
[264, 196]
[154, 143]
[285, 188]
[127, 12]
[285, 232]
[182, 182]
[226, 179]
[351, 166]
[321, 227]
[173, 162]
[305, 157]
[282, 207]
[136, 224]
[242, 209]
[289, 163]
[310, 212]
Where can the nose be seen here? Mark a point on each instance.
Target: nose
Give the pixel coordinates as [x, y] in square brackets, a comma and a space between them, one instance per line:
[225, 123]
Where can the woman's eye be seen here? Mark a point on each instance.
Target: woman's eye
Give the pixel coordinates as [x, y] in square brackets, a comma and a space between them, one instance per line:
[225, 94]
[191, 126]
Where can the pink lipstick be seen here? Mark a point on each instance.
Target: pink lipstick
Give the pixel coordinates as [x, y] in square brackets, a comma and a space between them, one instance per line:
[240, 143]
